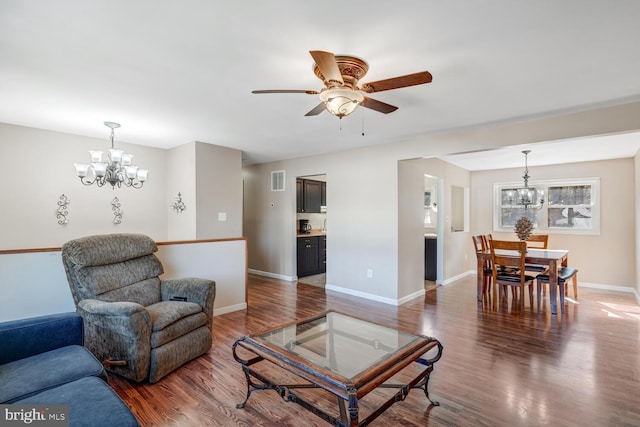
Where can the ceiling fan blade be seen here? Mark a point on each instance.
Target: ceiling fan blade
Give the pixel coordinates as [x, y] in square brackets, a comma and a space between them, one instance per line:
[308, 92]
[326, 62]
[317, 110]
[380, 106]
[398, 82]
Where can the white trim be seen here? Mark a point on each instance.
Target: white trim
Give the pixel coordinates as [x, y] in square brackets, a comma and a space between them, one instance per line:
[542, 217]
[455, 278]
[417, 294]
[390, 301]
[229, 309]
[604, 287]
[273, 275]
[334, 288]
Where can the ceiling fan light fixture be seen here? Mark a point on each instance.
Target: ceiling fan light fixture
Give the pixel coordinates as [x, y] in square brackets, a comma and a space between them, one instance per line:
[340, 101]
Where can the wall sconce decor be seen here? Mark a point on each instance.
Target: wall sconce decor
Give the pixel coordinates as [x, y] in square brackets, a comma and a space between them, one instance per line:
[117, 213]
[178, 205]
[62, 213]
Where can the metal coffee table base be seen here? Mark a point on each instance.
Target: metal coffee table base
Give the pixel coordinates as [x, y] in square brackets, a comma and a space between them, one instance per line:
[348, 416]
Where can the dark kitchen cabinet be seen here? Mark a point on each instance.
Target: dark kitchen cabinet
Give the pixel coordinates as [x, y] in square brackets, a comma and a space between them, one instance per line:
[299, 196]
[309, 256]
[430, 258]
[323, 195]
[322, 243]
[309, 195]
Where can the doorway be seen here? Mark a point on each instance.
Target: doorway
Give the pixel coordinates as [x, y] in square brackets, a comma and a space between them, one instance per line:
[311, 229]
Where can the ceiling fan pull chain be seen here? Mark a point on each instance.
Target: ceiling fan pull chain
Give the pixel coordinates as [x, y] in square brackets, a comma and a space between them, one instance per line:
[363, 122]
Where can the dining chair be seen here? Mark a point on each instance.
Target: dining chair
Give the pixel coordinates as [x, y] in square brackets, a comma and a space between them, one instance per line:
[564, 274]
[511, 254]
[480, 246]
[537, 241]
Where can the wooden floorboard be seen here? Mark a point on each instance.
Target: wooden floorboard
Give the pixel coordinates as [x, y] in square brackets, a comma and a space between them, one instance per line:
[499, 368]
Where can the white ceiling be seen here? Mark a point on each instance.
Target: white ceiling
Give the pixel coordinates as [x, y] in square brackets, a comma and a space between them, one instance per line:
[550, 153]
[173, 72]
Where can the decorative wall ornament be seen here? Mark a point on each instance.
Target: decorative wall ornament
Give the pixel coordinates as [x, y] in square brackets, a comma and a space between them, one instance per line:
[62, 213]
[117, 213]
[178, 205]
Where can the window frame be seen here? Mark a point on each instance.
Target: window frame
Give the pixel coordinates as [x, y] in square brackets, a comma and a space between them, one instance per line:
[542, 216]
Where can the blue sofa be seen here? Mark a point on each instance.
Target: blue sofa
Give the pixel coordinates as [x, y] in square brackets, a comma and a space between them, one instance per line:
[43, 362]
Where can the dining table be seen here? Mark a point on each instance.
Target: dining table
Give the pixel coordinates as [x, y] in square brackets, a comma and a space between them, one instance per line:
[553, 258]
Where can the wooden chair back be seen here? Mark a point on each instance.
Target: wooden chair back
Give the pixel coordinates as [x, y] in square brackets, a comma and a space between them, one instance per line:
[505, 254]
[538, 241]
[478, 243]
[498, 257]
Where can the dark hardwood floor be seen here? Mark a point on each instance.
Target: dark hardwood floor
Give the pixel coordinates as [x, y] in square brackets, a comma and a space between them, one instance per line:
[498, 368]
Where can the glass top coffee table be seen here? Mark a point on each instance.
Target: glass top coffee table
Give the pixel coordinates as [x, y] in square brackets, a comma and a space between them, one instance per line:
[346, 356]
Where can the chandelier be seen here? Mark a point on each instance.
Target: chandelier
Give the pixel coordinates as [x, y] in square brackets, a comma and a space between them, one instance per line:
[117, 170]
[527, 196]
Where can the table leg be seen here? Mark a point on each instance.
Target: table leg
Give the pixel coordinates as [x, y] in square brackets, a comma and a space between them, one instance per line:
[553, 285]
[480, 281]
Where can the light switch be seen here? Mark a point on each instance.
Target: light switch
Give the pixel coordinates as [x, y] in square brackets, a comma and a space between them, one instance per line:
[222, 216]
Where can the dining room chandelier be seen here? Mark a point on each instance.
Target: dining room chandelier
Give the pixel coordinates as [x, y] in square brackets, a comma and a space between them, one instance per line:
[527, 196]
[117, 170]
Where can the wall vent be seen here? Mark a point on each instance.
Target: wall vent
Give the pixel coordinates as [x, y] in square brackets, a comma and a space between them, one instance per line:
[277, 181]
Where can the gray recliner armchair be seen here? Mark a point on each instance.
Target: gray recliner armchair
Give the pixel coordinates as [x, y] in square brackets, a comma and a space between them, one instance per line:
[141, 327]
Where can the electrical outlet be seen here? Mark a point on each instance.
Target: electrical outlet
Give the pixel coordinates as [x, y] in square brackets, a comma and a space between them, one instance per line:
[369, 273]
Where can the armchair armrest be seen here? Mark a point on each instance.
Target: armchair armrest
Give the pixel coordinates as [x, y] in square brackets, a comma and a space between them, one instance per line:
[28, 337]
[124, 318]
[200, 291]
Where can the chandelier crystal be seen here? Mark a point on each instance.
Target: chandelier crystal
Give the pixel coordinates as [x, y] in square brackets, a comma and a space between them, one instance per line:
[117, 170]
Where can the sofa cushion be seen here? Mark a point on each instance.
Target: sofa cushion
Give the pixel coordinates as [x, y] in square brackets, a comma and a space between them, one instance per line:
[25, 377]
[172, 319]
[91, 401]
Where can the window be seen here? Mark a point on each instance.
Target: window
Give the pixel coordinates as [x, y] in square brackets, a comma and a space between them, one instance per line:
[570, 206]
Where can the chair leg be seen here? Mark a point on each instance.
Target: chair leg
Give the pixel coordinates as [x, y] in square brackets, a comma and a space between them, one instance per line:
[575, 286]
[539, 288]
[531, 296]
[562, 291]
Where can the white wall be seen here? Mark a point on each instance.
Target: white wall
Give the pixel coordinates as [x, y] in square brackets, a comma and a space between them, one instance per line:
[181, 178]
[38, 168]
[637, 222]
[35, 284]
[363, 195]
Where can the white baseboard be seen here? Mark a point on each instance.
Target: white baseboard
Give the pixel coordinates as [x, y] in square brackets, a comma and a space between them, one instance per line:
[378, 298]
[229, 309]
[457, 277]
[606, 287]
[273, 275]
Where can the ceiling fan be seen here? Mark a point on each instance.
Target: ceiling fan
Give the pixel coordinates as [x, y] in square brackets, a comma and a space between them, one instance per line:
[341, 94]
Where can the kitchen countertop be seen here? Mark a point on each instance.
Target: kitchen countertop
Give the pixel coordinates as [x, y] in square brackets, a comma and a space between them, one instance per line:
[314, 232]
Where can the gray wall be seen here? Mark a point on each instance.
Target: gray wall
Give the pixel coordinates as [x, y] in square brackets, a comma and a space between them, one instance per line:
[38, 168]
[364, 195]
